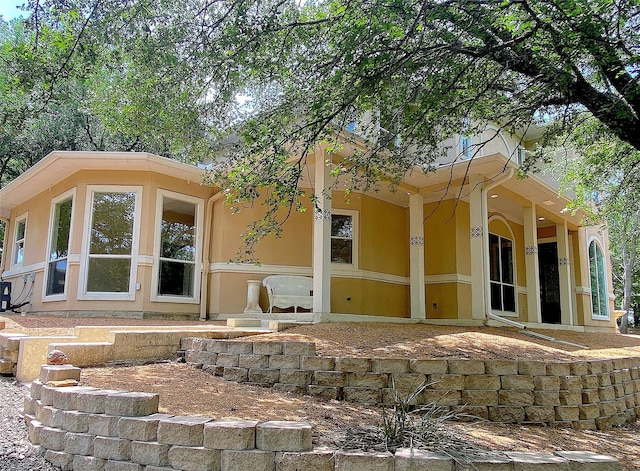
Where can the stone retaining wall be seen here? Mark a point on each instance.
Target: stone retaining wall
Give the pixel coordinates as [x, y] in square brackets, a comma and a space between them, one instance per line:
[88, 429]
[594, 394]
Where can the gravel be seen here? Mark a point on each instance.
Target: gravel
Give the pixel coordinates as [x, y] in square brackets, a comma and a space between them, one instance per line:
[16, 452]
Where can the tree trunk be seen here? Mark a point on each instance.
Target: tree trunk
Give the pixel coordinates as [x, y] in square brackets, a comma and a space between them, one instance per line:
[628, 260]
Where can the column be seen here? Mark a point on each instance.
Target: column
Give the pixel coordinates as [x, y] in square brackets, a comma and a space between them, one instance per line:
[322, 236]
[477, 217]
[534, 311]
[416, 256]
[564, 273]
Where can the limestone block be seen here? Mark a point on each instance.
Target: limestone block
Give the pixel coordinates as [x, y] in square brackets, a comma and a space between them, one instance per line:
[227, 359]
[558, 369]
[544, 414]
[490, 382]
[6, 367]
[467, 367]
[88, 463]
[606, 423]
[390, 365]
[325, 392]
[589, 411]
[547, 383]
[29, 405]
[150, 453]
[11, 356]
[78, 443]
[479, 397]
[515, 398]
[11, 341]
[112, 448]
[307, 349]
[187, 343]
[36, 389]
[52, 438]
[316, 460]
[46, 395]
[263, 375]
[410, 381]
[626, 375]
[501, 367]
[353, 365]
[429, 367]
[74, 421]
[608, 409]
[506, 414]
[532, 368]
[570, 413]
[230, 434]
[579, 368]
[34, 428]
[363, 395]
[317, 363]
[184, 431]
[448, 382]
[595, 367]
[267, 348]
[518, 382]
[491, 462]
[113, 465]
[471, 413]
[589, 424]
[330, 378]
[237, 375]
[195, 459]
[363, 461]
[50, 416]
[571, 382]
[537, 461]
[283, 436]
[66, 397]
[103, 425]
[143, 429]
[617, 377]
[238, 347]
[547, 398]
[443, 397]
[131, 404]
[93, 401]
[59, 459]
[215, 345]
[604, 379]
[253, 361]
[408, 459]
[201, 357]
[606, 393]
[589, 461]
[621, 363]
[368, 380]
[58, 373]
[619, 390]
[299, 377]
[213, 370]
[629, 388]
[299, 389]
[254, 460]
[590, 396]
[590, 382]
[291, 362]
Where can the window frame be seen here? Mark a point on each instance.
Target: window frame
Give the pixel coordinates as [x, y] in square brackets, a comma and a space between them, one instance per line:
[23, 218]
[129, 295]
[70, 194]
[157, 242]
[604, 289]
[514, 284]
[355, 236]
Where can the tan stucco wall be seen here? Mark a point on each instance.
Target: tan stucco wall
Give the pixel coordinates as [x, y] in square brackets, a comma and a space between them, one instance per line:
[440, 236]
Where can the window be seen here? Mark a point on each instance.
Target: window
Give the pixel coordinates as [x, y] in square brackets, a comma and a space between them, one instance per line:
[177, 245]
[111, 242]
[465, 147]
[57, 259]
[343, 239]
[19, 237]
[598, 278]
[503, 292]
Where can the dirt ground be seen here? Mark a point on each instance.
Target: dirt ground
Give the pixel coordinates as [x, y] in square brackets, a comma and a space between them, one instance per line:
[185, 390]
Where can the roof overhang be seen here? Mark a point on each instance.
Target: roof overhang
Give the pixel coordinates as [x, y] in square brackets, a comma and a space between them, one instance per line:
[57, 166]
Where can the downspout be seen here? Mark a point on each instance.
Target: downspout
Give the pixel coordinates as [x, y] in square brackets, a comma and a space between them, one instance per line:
[485, 241]
[204, 277]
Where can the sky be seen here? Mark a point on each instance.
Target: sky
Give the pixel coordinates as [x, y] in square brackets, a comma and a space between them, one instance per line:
[8, 8]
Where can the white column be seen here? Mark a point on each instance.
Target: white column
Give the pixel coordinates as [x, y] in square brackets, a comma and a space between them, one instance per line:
[564, 273]
[477, 217]
[416, 256]
[534, 311]
[322, 237]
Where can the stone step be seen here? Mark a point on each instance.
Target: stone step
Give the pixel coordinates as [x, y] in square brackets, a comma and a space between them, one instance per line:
[6, 367]
[237, 322]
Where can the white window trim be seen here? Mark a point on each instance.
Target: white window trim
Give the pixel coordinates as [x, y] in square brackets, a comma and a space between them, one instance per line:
[606, 277]
[155, 278]
[355, 247]
[83, 294]
[54, 201]
[515, 268]
[14, 252]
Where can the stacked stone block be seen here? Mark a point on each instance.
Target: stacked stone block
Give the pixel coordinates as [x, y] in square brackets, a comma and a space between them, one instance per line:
[9, 351]
[595, 394]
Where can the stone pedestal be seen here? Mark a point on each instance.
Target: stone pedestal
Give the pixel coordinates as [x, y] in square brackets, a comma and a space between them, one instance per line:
[253, 297]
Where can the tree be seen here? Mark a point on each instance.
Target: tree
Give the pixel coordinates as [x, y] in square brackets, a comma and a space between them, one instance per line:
[602, 171]
[420, 69]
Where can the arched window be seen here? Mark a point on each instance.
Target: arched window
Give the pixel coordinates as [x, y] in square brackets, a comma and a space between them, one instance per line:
[598, 281]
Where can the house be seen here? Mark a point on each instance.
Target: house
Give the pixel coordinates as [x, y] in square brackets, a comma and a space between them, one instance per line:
[135, 234]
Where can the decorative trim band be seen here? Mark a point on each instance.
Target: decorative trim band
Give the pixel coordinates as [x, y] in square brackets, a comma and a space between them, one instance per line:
[531, 250]
[476, 231]
[416, 241]
[322, 215]
[564, 261]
